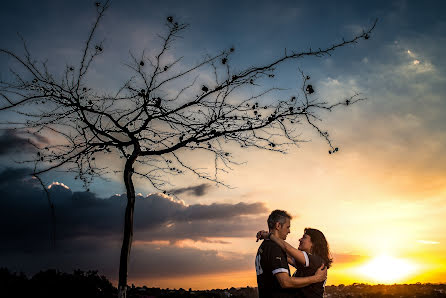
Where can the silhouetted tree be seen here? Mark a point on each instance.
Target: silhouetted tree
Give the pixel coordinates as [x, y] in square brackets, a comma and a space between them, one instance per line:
[149, 125]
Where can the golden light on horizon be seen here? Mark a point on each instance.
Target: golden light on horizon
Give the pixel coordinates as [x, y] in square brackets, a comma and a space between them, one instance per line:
[387, 269]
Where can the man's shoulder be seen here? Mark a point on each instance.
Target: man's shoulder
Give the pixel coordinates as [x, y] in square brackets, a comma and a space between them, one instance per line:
[270, 247]
[270, 244]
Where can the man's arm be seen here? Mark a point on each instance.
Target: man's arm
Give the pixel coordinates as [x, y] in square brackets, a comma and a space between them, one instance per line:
[287, 281]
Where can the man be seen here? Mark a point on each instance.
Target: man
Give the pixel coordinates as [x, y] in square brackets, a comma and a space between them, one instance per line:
[273, 273]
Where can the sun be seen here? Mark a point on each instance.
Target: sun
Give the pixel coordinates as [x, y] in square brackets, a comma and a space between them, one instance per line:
[387, 269]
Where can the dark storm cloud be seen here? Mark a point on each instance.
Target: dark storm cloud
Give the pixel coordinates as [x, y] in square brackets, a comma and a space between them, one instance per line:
[198, 190]
[181, 260]
[157, 209]
[145, 261]
[13, 175]
[83, 214]
[201, 230]
[10, 142]
[220, 211]
[13, 142]
[89, 229]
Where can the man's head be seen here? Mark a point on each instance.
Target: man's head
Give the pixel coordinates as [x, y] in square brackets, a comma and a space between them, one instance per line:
[279, 223]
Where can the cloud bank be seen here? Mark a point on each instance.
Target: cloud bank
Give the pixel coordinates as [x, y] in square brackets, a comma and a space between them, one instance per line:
[89, 230]
[12, 142]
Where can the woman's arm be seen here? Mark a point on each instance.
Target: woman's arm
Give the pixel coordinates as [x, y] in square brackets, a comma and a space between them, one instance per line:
[290, 250]
[298, 255]
[287, 281]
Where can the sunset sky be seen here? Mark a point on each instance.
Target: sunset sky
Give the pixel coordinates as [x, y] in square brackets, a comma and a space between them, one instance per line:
[380, 200]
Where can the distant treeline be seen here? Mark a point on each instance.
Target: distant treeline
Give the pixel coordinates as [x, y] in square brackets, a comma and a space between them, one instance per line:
[57, 284]
[53, 283]
[86, 284]
[398, 290]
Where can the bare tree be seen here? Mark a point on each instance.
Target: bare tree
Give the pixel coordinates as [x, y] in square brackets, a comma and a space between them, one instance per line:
[157, 115]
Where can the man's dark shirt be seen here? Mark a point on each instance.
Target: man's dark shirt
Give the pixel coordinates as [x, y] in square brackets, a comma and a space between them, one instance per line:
[313, 263]
[270, 259]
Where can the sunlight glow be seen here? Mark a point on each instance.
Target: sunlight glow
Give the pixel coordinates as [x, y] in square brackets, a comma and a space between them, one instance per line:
[428, 242]
[59, 184]
[387, 269]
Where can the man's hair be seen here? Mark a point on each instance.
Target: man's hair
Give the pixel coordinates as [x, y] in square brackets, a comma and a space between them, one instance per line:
[277, 216]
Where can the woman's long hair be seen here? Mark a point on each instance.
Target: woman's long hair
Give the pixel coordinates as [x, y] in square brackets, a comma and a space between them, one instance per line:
[320, 245]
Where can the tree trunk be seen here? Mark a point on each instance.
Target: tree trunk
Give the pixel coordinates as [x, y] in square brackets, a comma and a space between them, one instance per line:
[128, 227]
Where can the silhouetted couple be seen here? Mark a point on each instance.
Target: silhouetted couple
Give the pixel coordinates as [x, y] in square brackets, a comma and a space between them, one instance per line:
[311, 260]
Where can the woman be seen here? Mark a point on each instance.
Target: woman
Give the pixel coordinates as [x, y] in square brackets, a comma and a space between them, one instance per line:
[313, 251]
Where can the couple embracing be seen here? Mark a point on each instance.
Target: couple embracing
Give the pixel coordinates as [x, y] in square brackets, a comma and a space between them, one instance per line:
[311, 260]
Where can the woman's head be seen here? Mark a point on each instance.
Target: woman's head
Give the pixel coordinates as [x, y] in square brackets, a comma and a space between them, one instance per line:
[314, 242]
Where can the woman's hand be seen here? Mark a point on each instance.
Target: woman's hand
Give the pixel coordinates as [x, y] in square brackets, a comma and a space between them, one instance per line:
[262, 235]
